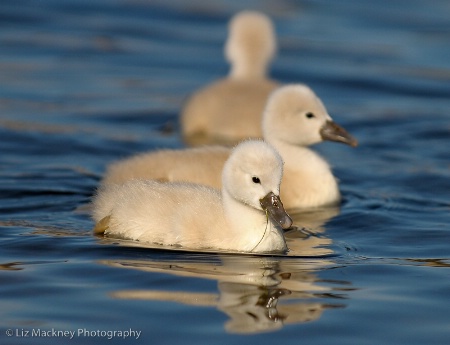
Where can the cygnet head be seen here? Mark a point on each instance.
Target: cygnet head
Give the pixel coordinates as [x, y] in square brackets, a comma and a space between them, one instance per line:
[252, 176]
[294, 114]
[251, 44]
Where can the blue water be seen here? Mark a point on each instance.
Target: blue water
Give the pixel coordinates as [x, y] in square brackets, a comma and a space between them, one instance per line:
[84, 83]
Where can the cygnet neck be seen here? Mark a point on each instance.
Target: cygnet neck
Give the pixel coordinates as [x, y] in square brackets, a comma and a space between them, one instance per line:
[248, 223]
[248, 70]
[242, 217]
[251, 229]
[298, 156]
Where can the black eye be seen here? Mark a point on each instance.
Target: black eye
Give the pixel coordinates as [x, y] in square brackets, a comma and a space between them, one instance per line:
[310, 115]
[256, 179]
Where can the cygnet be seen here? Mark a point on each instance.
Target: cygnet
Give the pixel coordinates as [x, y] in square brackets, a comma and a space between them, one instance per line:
[294, 118]
[230, 109]
[247, 216]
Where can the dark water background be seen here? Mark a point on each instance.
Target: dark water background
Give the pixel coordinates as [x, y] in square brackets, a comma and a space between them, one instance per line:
[83, 83]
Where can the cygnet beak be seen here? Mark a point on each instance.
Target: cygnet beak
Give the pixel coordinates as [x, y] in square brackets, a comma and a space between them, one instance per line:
[274, 207]
[333, 132]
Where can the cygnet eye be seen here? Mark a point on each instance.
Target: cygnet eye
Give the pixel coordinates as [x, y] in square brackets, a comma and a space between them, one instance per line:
[256, 179]
[309, 115]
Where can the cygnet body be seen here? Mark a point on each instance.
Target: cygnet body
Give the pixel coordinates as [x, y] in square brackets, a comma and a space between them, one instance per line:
[202, 165]
[294, 118]
[230, 109]
[247, 216]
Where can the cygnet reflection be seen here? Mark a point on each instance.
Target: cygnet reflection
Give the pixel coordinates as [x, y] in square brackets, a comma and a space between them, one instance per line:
[257, 293]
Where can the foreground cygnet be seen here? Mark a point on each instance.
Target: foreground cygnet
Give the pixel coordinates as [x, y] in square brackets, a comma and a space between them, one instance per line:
[247, 216]
[230, 109]
[294, 118]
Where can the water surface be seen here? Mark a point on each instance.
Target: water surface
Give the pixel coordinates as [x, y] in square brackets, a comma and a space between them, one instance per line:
[85, 83]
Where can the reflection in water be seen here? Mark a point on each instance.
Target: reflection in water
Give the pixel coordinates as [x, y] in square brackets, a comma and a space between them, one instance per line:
[308, 240]
[431, 262]
[258, 293]
[313, 219]
[11, 266]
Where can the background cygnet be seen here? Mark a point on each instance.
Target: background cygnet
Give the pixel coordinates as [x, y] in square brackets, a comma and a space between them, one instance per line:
[247, 216]
[229, 110]
[294, 118]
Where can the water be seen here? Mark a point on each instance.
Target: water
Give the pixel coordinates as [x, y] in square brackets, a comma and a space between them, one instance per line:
[84, 83]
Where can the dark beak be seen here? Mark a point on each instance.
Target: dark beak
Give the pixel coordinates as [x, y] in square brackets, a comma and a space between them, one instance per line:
[274, 207]
[333, 132]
